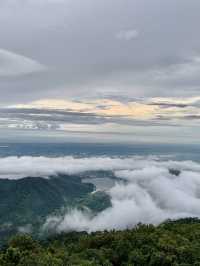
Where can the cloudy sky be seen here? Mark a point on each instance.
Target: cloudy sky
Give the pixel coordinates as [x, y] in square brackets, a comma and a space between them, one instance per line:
[100, 70]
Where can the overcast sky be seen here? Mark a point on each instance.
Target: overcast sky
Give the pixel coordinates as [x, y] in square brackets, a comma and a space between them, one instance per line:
[110, 69]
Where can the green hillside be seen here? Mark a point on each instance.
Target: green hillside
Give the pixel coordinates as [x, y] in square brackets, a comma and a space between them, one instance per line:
[28, 201]
[33, 197]
[172, 243]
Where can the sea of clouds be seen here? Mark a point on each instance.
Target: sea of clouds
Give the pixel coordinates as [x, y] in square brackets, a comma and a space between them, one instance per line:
[150, 195]
[145, 190]
[14, 167]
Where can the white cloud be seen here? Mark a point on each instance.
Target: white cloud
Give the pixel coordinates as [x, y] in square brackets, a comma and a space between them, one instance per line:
[12, 64]
[151, 195]
[127, 35]
[19, 167]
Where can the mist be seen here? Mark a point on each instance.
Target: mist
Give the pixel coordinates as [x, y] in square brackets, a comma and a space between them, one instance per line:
[146, 193]
[145, 189]
[14, 167]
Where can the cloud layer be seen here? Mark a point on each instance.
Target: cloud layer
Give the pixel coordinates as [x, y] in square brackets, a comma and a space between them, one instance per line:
[146, 188]
[135, 48]
[104, 58]
[156, 119]
[151, 194]
[19, 167]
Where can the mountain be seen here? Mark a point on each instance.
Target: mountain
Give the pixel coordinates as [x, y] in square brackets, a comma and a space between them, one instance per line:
[27, 202]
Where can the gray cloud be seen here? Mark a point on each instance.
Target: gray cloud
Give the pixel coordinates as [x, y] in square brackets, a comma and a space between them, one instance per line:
[168, 105]
[51, 116]
[74, 39]
[127, 35]
[12, 64]
[52, 119]
[129, 50]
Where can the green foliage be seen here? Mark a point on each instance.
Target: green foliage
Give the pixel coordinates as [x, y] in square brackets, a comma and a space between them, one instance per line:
[173, 243]
[24, 199]
[96, 202]
[27, 202]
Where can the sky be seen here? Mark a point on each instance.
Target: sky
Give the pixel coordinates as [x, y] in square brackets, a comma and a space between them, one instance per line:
[100, 70]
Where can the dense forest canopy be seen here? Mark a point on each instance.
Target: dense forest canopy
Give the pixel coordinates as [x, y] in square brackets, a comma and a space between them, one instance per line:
[171, 243]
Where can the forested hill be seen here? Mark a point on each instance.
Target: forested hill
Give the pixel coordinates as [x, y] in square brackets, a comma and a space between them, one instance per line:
[30, 200]
[171, 243]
